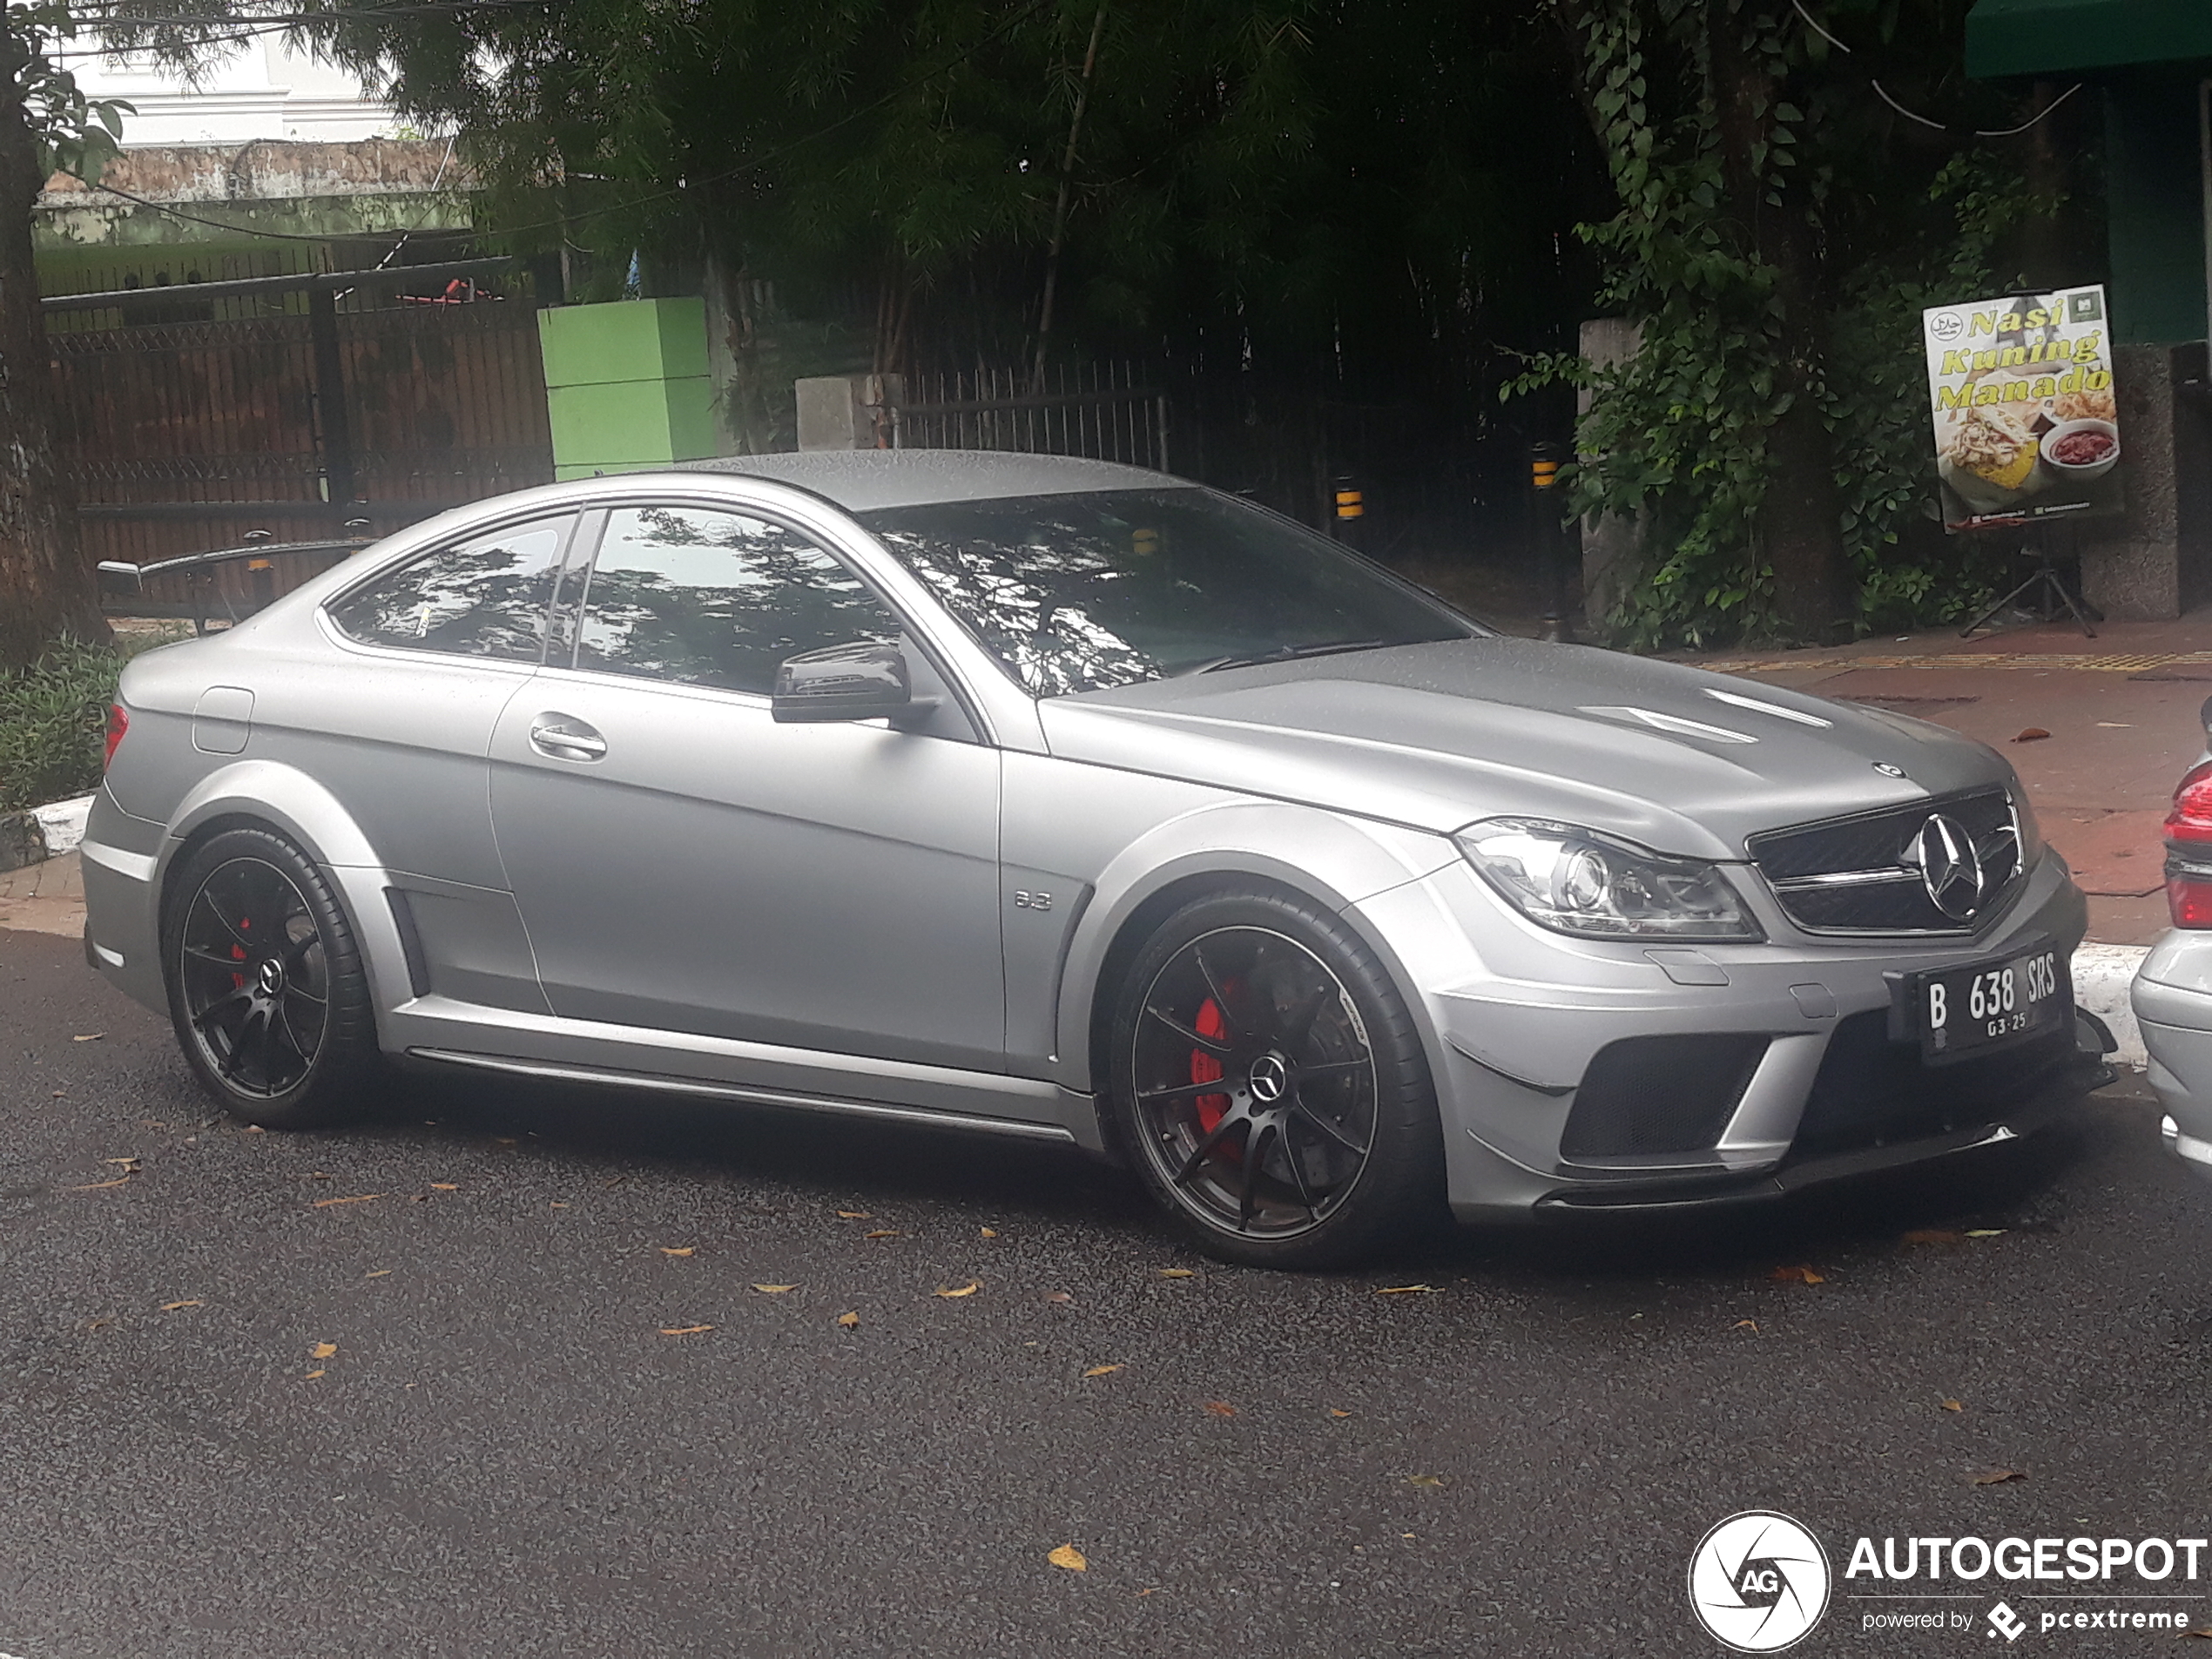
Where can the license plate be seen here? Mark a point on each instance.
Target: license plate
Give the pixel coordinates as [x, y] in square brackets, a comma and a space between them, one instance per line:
[1967, 1010]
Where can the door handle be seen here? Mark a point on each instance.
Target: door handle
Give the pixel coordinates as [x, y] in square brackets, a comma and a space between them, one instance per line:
[560, 737]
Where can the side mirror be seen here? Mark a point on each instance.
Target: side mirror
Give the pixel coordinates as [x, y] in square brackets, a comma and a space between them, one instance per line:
[865, 681]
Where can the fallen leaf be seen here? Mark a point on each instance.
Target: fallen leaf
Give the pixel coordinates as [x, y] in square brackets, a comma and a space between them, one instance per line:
[1797, 1276]
[1405, 1290]
[1752, 1326]
[2031, 734]
[848, 1320]
[774, 1290]
[2205, 1631]
[1333, 1412]
[1069, 1557]
[171, 1307]
[882, 1233]
[684, 1330]
[503, 1139]
[382, 1272]
[1177, 1272]
[97, 1324]
[317, 1174]
[1155, 1590]
[1221, 1408]
[325, 1204]
[687, 1250]
[1933, 1236]
[252, 1129]
[411, 1197]
[1058, 1298]
[990, 1232]
[128, 1164]
[312, 1375]
[1992, 1477]
[1952, 1405]
[855, 1215]
[1102, 1371]
[95, 1186]
[1423, 1480]
[92, 1036]
[558, 1204]
[445, 1186]
[969, 1289]
[323, 1350]
[1985, 1232]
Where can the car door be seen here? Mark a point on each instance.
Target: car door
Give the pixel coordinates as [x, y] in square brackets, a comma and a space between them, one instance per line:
[684, 863]
[398, 725]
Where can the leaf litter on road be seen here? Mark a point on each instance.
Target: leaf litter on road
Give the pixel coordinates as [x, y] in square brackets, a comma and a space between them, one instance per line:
[684, 1330]
[171, 1307]
[1103, 1370]
[359, 1198]
[1996, 1477]
[1405, 1290]
[1799, 1275]
[1069, 1557]
[1220, 1408]
[1953, 1405]
[953, 1293]
[679, 1250]
[774, 1290]
[1178, 1273]
[322, 1349]
[848, 1320]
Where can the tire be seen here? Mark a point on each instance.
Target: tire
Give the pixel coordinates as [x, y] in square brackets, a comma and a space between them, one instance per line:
[282, 1034]
[1322, 1146]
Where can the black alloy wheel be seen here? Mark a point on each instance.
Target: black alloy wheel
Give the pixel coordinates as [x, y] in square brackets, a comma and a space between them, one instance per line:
[1269, 1083]
[266, 987]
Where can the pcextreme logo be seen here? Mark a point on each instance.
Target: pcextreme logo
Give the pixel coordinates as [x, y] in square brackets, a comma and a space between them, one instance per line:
[1759, 1582]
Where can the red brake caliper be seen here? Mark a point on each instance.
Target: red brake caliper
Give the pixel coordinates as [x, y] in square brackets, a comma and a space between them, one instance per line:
[1205, 1068]
[238, 954]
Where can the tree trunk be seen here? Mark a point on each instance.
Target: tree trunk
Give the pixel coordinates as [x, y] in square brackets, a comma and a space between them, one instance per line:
[45, 587]
[1800, 522]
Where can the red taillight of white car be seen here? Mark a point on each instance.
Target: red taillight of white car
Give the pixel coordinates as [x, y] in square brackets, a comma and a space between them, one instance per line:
[2188, 850]
[119, 722]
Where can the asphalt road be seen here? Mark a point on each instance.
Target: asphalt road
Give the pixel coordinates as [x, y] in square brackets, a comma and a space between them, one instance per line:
[500, 1453]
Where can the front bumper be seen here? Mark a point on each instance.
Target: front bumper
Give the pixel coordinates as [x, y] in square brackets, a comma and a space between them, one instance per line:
[2172, 998]
[1514, 1016]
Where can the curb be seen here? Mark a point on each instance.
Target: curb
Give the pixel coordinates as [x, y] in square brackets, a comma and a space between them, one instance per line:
[2103, 974]
[42, 833]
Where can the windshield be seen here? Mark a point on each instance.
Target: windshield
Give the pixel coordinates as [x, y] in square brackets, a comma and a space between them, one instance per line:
[1078, 592]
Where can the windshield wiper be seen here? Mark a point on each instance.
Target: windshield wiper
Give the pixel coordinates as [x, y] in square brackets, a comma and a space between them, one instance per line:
[1283, 654]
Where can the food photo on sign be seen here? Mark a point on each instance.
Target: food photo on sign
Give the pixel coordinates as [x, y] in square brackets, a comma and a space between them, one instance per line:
[2026, 424]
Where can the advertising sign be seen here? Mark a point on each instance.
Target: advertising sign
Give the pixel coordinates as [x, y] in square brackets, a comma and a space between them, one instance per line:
[2027, 427]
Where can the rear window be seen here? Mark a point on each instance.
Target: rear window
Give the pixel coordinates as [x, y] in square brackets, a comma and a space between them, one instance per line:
[487, 597]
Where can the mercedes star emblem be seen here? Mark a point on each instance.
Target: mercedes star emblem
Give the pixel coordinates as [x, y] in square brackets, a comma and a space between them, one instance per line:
[1949, 868]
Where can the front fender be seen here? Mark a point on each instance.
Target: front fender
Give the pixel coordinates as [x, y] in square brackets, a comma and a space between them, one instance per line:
[1334, 859]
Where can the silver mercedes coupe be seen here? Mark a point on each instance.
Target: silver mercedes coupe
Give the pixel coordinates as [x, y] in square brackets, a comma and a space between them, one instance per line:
[1052, 798]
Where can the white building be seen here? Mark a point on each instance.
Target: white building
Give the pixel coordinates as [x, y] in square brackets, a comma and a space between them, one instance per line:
[265, 89]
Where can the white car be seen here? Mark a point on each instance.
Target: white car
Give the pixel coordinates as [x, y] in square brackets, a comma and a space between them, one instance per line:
[2173, 989]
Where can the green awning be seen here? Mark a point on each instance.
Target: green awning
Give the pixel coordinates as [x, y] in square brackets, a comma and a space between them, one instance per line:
[2067, 37]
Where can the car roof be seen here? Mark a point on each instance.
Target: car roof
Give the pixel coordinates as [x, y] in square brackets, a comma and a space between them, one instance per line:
[861, 481]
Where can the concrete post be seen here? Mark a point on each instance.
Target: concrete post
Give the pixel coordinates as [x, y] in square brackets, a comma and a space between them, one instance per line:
[1611, 546]
[848, 411]
[2156, 562]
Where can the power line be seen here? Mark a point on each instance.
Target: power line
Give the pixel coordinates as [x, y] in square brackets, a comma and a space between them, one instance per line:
[1883, 92]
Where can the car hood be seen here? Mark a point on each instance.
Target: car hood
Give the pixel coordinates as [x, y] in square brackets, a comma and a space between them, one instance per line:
[1438, 736]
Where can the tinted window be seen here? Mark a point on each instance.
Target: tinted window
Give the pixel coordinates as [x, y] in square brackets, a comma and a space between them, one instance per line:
[1079, 591]
[709, 598]
[485, 597]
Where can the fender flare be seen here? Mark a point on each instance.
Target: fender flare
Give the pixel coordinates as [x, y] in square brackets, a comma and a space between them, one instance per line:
[1334, 860]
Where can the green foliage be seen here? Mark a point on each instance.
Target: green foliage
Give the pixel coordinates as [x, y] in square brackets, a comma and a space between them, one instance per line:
[74, 134]
[51, 716]
[1679, 437]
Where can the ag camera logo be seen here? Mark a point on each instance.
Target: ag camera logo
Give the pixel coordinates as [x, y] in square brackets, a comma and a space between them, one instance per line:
[1758, 1581]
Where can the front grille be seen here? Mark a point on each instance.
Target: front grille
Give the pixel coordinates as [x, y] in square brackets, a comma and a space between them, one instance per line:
[1659, 1095]
[1857, 875]
[1871, 1091]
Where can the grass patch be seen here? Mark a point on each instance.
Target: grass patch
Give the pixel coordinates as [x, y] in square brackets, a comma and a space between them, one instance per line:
[52, 715]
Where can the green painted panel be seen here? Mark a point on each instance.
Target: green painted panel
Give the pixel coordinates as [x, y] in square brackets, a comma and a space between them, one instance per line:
[629, 339]
[2058, 37]
[631, 422]
[2154, 210]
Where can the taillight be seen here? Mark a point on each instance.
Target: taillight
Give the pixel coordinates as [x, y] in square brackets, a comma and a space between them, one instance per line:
[119, 722]
[2188, 850]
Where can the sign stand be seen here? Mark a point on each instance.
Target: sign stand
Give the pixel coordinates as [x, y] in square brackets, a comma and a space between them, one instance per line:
[2046, 583]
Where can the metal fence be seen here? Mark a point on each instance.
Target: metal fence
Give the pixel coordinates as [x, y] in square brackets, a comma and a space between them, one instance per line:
[180, 436]
[1104, 411]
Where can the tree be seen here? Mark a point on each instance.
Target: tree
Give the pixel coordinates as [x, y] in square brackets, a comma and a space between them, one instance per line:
[45, 124]
[1780, 191]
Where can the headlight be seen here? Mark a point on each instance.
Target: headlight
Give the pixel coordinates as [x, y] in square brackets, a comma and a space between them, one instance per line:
[1580, 882]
